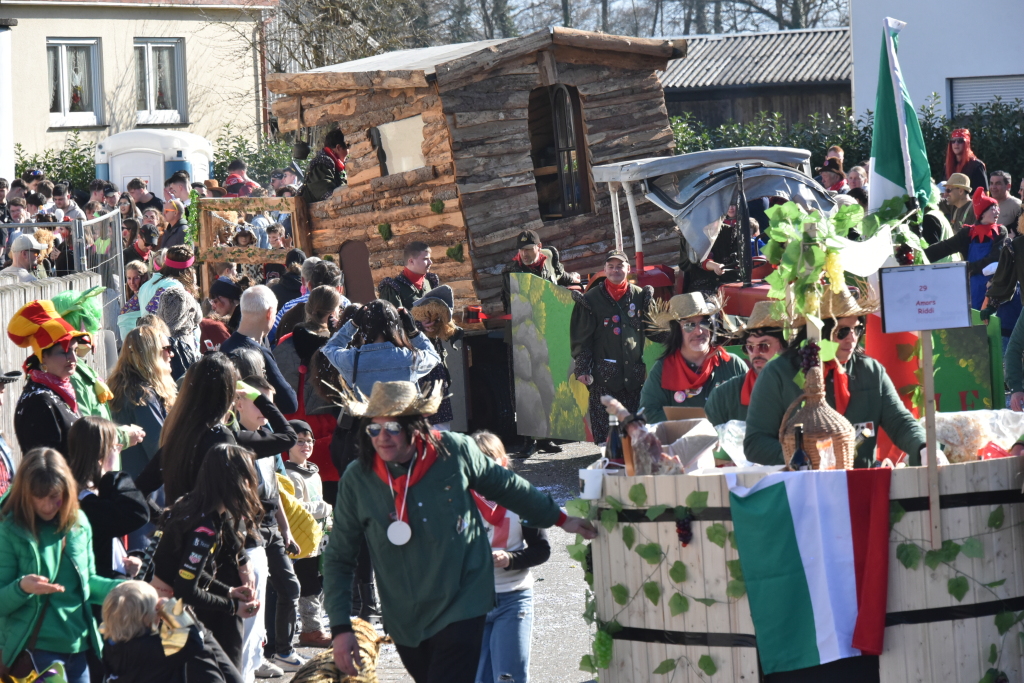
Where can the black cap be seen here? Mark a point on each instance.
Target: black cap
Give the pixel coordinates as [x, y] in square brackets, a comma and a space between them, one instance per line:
[299, 426]
[225, 288]
[9, 377]
[526, 238]
[295, 256]
[149, 234]
[621, 255]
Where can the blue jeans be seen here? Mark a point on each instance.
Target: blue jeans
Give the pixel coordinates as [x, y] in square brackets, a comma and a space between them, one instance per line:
[505, 655]
[76, 666]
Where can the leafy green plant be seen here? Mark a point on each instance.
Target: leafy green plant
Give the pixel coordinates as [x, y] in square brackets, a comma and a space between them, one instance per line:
[261, 157]
[385, 231]
[437, 206]
[456, 253]
[73, 163]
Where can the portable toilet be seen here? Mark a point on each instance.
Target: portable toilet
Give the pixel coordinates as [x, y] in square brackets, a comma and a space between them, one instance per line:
[153, 155]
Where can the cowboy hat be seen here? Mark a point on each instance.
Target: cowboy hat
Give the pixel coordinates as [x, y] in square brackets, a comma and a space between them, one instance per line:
[959, 180]
[833, 165]
[683, 306]
[844, 304]
[393, 399]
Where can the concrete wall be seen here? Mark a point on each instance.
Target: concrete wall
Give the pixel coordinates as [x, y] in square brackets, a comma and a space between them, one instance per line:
[220, 81]
[943, 39]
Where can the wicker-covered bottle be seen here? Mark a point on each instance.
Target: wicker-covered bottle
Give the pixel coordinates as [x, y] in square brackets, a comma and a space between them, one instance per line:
[820, 421]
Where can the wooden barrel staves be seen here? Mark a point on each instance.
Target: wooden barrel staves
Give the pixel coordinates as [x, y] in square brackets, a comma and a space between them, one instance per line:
[951, 614]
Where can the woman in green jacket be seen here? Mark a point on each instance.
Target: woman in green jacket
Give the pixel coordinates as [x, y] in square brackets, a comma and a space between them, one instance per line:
[47, 571]
[692, 364]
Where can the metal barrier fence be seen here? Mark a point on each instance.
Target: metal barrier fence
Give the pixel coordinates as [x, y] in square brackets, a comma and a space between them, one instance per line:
[98, 249]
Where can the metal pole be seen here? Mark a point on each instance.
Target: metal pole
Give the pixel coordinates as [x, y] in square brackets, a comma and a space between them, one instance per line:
[934, 511]
[119, 260]
[638, 242]
[616, 216]
[78, 237]
[746, 257]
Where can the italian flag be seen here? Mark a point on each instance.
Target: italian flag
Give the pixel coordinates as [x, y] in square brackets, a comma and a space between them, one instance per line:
[899, 163]
[814, 547]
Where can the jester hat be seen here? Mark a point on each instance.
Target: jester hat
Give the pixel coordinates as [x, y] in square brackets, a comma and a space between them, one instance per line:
[82, 310]
[38, 325]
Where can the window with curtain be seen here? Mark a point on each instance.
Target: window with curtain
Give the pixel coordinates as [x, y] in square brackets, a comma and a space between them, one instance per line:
[558, 152]
[159, 80]
[72, 67]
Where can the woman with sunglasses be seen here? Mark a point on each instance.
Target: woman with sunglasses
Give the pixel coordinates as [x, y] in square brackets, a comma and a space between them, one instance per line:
[855, 385]
[692, 364]
[47, 407]
[128, 209]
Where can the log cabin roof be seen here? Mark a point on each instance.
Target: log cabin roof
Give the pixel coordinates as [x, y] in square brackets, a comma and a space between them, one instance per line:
[803, 57]
[423, 59]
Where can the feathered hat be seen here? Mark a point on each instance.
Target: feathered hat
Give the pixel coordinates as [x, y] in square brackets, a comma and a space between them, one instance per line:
[392, 399]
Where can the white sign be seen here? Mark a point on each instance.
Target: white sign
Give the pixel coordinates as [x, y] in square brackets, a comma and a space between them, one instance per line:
[917, 298]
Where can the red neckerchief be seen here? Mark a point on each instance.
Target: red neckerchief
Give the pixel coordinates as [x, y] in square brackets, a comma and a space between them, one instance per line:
[425, 458]
[144, 257]
[338, 163]
[61, 387]
[840, 383]
[980, 233]
[676, 374]
[748, 387]
[536, 265]
[616, 291]
[493, 513]
[415, 279]
[838, 187]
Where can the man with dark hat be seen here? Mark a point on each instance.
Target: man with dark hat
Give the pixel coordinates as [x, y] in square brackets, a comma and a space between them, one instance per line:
[289, 286]
[536, 259]
[763, 339]
[433, 313]
[607, 332]
[144, 244]
[414, 281]
[327, 170]
[833, 177]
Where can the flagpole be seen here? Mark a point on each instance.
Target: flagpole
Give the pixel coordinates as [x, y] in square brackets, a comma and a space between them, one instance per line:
[890, 25]
[928, 370]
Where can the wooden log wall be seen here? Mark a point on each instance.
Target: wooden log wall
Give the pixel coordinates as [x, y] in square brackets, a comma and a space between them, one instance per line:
[403, 200]
[624, 117]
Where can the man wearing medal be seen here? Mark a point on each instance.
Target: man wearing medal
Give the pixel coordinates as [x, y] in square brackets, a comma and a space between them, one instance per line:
[607, 331]
[410, 493]
[763, 339]
[692, 364]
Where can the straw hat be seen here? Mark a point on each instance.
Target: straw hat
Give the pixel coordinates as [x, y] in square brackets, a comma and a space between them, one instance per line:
[683, 306]
[844, 304]
[394, 399]
[37, 324]
[761, 318]
[959, 180]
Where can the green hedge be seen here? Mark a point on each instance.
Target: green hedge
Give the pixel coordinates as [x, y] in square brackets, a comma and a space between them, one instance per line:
[260, 159]
[997, 132]
[75, 163]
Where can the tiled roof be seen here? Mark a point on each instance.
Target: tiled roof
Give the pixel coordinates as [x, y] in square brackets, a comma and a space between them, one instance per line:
[758, 59]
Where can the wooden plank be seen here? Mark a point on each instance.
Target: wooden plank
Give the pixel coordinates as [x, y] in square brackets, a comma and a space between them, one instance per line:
[566, 54]
[480, 184]
[491, 167]
[547, 67]
[242, 255]
[491, 57]
[302, 229]
[589, 40]
[519, 66]
[293, 84]
[469, 101]
[246, 203]
[475, 118]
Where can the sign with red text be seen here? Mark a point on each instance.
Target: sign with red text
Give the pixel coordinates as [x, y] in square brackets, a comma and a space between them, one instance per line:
[917, 298]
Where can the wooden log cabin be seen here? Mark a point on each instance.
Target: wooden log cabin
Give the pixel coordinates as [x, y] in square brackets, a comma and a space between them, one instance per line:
[463, 146]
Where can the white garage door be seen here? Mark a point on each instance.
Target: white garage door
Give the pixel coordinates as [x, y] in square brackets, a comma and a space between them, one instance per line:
[966, 92]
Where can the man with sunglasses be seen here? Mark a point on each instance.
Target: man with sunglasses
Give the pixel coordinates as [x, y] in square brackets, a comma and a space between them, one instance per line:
[413, 494]
[763, 339]
[856, 386]
[607, 331]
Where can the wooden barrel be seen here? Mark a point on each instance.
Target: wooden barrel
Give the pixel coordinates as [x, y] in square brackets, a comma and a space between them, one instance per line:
[930, 635]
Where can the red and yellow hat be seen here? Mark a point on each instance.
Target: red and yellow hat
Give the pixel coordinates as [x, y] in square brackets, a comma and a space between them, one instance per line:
[37, 324]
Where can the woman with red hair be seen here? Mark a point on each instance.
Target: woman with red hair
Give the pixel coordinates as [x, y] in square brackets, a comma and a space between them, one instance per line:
[960, 159]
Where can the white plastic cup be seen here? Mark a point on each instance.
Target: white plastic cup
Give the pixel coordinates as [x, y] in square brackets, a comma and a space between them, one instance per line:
[591, 483]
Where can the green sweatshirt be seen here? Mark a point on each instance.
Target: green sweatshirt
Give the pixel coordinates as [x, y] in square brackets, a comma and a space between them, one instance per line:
[653, 398]
[873, 399]
[445, 572]
[724, 401]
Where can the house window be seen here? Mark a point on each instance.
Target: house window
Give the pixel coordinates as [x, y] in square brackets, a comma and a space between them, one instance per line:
[559, 153]
[73, 75]
[399, 145]
[159, 80]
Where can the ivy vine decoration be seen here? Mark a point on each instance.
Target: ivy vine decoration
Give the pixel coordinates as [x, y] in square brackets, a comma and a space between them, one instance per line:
[192, 212]
[385, 231]
[456, 253]
[437, 206]
[910, 553]
[654, 555]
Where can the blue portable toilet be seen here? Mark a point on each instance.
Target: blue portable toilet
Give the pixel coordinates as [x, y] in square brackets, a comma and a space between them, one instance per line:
[153, 154]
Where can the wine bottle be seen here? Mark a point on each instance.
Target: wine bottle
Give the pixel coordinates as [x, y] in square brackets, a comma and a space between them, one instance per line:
[800, 460]
[613, 446]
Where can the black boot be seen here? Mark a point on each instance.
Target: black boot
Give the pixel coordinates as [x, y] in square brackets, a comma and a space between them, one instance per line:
[369, 610]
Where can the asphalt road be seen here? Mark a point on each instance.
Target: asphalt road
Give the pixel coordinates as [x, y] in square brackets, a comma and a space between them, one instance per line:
[560, 636]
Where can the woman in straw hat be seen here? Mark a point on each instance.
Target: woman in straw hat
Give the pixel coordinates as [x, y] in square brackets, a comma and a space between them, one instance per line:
[763, 338]
[47, 407]
[412, 495]
[692, 364]
[857, 386]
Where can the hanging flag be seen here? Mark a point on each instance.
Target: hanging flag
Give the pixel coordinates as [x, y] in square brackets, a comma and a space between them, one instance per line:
[899, 162]
[814, 548]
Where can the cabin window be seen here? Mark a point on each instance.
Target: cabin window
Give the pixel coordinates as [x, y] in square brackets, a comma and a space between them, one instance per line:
[559, 154]
[399, 145]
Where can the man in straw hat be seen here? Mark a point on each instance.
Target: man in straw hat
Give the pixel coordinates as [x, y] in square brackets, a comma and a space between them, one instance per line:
[607, 331]
[412, 494]
[763, 339]
[857, 386]
[957, 206]
[693, 364]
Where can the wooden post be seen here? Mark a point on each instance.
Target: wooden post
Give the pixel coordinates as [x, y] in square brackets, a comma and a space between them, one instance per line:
[638, 243]
[932, 444]
[613, 189]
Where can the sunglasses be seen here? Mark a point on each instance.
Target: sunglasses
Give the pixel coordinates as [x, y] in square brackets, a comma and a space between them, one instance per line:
[957, 141]
[374, 429]
[691, 325]
[763, 347]
[844, 332]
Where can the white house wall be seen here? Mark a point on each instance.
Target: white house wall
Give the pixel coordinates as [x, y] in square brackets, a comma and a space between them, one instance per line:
[943, 39]
[220, 80]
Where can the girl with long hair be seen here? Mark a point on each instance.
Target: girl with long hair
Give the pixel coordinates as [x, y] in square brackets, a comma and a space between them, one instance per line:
[48, 577]
[143, 392]
[135, 275]
[172, 272]
[204, 536]
[109, 499]
[960, 158]
[129, 211]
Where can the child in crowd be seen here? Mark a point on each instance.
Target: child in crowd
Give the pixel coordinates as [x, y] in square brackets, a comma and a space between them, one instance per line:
[309, 491]
[134, 651]
[505, 654]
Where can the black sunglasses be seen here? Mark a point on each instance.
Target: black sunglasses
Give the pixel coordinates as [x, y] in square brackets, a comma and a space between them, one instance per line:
[374, 429]
[844, 332]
